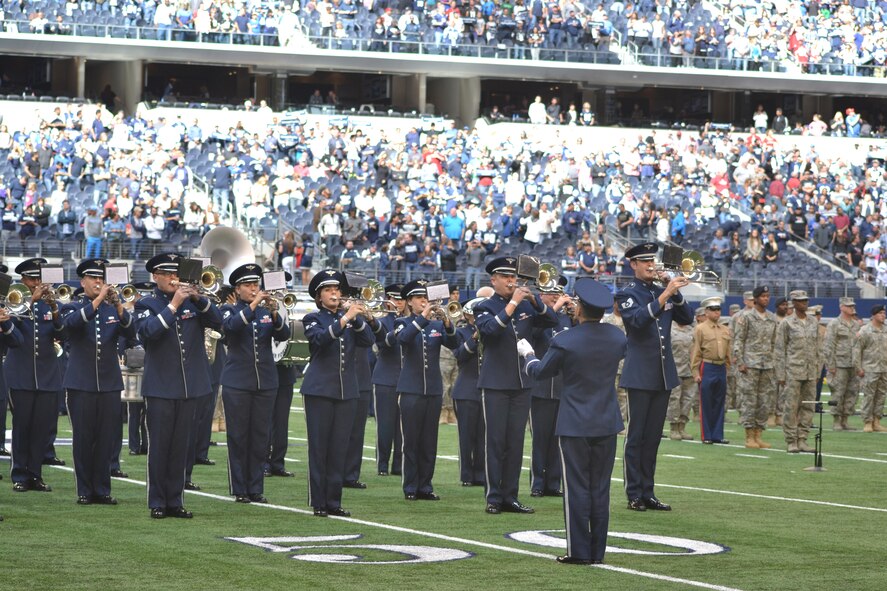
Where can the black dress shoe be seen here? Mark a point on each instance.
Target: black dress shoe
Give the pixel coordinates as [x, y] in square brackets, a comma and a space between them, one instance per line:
[191, 486]
[134, 452]
[119, 474]
[205, 462]
[354, 484]
[554, 493]
[213, 443]
[320, 513]
[637, 505]
[158, 513]
[282, 473]
[104, 500]
[409, 497]
[721, 441]
[241, 499]
[21, 487]
[53, 462]
[427, 496]
[40, 486]
[258, 498]
[516, 507]
[708, 441]
[466, 483]
[537, 493]
[84, 500]
[493, 508]
[338, 512]
[655, 504]
[4, 452]
[383, 472]
[573, 560]
[179, 512]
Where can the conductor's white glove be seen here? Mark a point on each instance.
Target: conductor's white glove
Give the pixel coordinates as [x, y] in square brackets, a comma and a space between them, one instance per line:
[524, 348]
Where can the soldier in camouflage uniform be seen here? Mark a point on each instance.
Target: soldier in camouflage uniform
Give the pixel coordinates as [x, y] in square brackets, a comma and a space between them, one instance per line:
[840, 337]
[748, 300]
[680, 403]
[616, 320]
[449, 371]
[798, 364]
[753, 339]
[775, 417]
[870, 359]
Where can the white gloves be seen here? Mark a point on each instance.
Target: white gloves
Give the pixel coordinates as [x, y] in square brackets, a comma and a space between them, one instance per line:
[524, 348]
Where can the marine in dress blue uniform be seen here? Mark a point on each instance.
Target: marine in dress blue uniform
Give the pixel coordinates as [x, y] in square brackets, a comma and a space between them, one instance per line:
[278, 441]
[330, 389]
[249, 381]
[94, 324]
[508, 315]
[587, 357]
[466, 400]
[649, 373]
[34, 380]
[385, 376]
[420, 388]
[171, 325]
[545, 462]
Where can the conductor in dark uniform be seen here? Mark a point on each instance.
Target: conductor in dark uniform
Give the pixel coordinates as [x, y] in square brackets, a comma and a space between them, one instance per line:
[420, 388]
[171, 325]
[94, 324]
[588, 419]
[649, 373]
[330, 388]
[508, 315]
[385, 375]
[34, 379]
[545, 462]
[249, 380]
[466, 400]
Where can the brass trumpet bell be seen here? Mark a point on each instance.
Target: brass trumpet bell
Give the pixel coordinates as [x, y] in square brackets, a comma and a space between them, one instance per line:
[372, 294]
[128, 293]
[454, 311]
[289, 301]
[18, 300]
[63, 293]
[211, 279]
[547, 277]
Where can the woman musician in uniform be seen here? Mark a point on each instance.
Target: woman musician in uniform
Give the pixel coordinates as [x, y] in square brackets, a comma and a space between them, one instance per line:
[249, 380]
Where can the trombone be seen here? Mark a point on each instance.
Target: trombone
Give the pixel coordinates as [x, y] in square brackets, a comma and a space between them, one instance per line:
[287, 299]
[689, 263]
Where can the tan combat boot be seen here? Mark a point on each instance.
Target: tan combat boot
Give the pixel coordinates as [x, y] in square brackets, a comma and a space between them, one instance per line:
[877, 426]
[443, 417]
[451, 416]
[761, 443]
[684, 435]
[846, 426]
[868, 427]
[802, 446]
[778, 420]
[750, 441]
[675, 433]
[771, 421]
[792, 447]
[838, 423]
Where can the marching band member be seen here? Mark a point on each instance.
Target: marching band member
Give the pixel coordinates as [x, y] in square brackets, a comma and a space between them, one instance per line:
[4, 389]
[385, 376]
[505, 317]
[171, 324]
[34, 379]
[137, 428]
[588, 419]
[649, 373]
[354, 455]
[420, 388]
[330, 388]
[278, 440]
[545, 463]
[249, 380]
[466, 399]
[94, 324]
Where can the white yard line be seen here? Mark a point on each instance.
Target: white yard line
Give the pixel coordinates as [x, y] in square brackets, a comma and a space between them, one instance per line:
[752, 456]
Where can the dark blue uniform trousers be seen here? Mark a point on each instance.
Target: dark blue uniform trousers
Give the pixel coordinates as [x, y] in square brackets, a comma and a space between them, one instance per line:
[280, 424]
[419, 421]
[204, 424]
[388, 433]
[95, 421]
[4, 402]
[328, 422]
[248, 419]
[505, 417]
[354, 455]
[712, 398]
[471, 441]
[34, 412]
[61, 408]
[588, 467]
[117, 434]
[138, 430]
[646, 416]
[545, 463]
[169, 428]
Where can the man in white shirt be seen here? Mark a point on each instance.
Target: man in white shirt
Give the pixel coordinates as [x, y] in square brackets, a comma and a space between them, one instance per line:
[154, 225]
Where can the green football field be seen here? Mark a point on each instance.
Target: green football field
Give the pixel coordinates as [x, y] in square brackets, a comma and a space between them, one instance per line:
[742, 519]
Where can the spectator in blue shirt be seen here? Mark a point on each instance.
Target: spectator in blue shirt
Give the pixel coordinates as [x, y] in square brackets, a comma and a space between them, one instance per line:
[453, 227]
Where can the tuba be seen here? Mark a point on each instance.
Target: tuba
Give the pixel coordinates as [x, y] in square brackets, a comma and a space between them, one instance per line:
[227, 248]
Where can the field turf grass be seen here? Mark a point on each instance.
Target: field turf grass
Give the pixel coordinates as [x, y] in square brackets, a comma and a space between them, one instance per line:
[781, 527]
